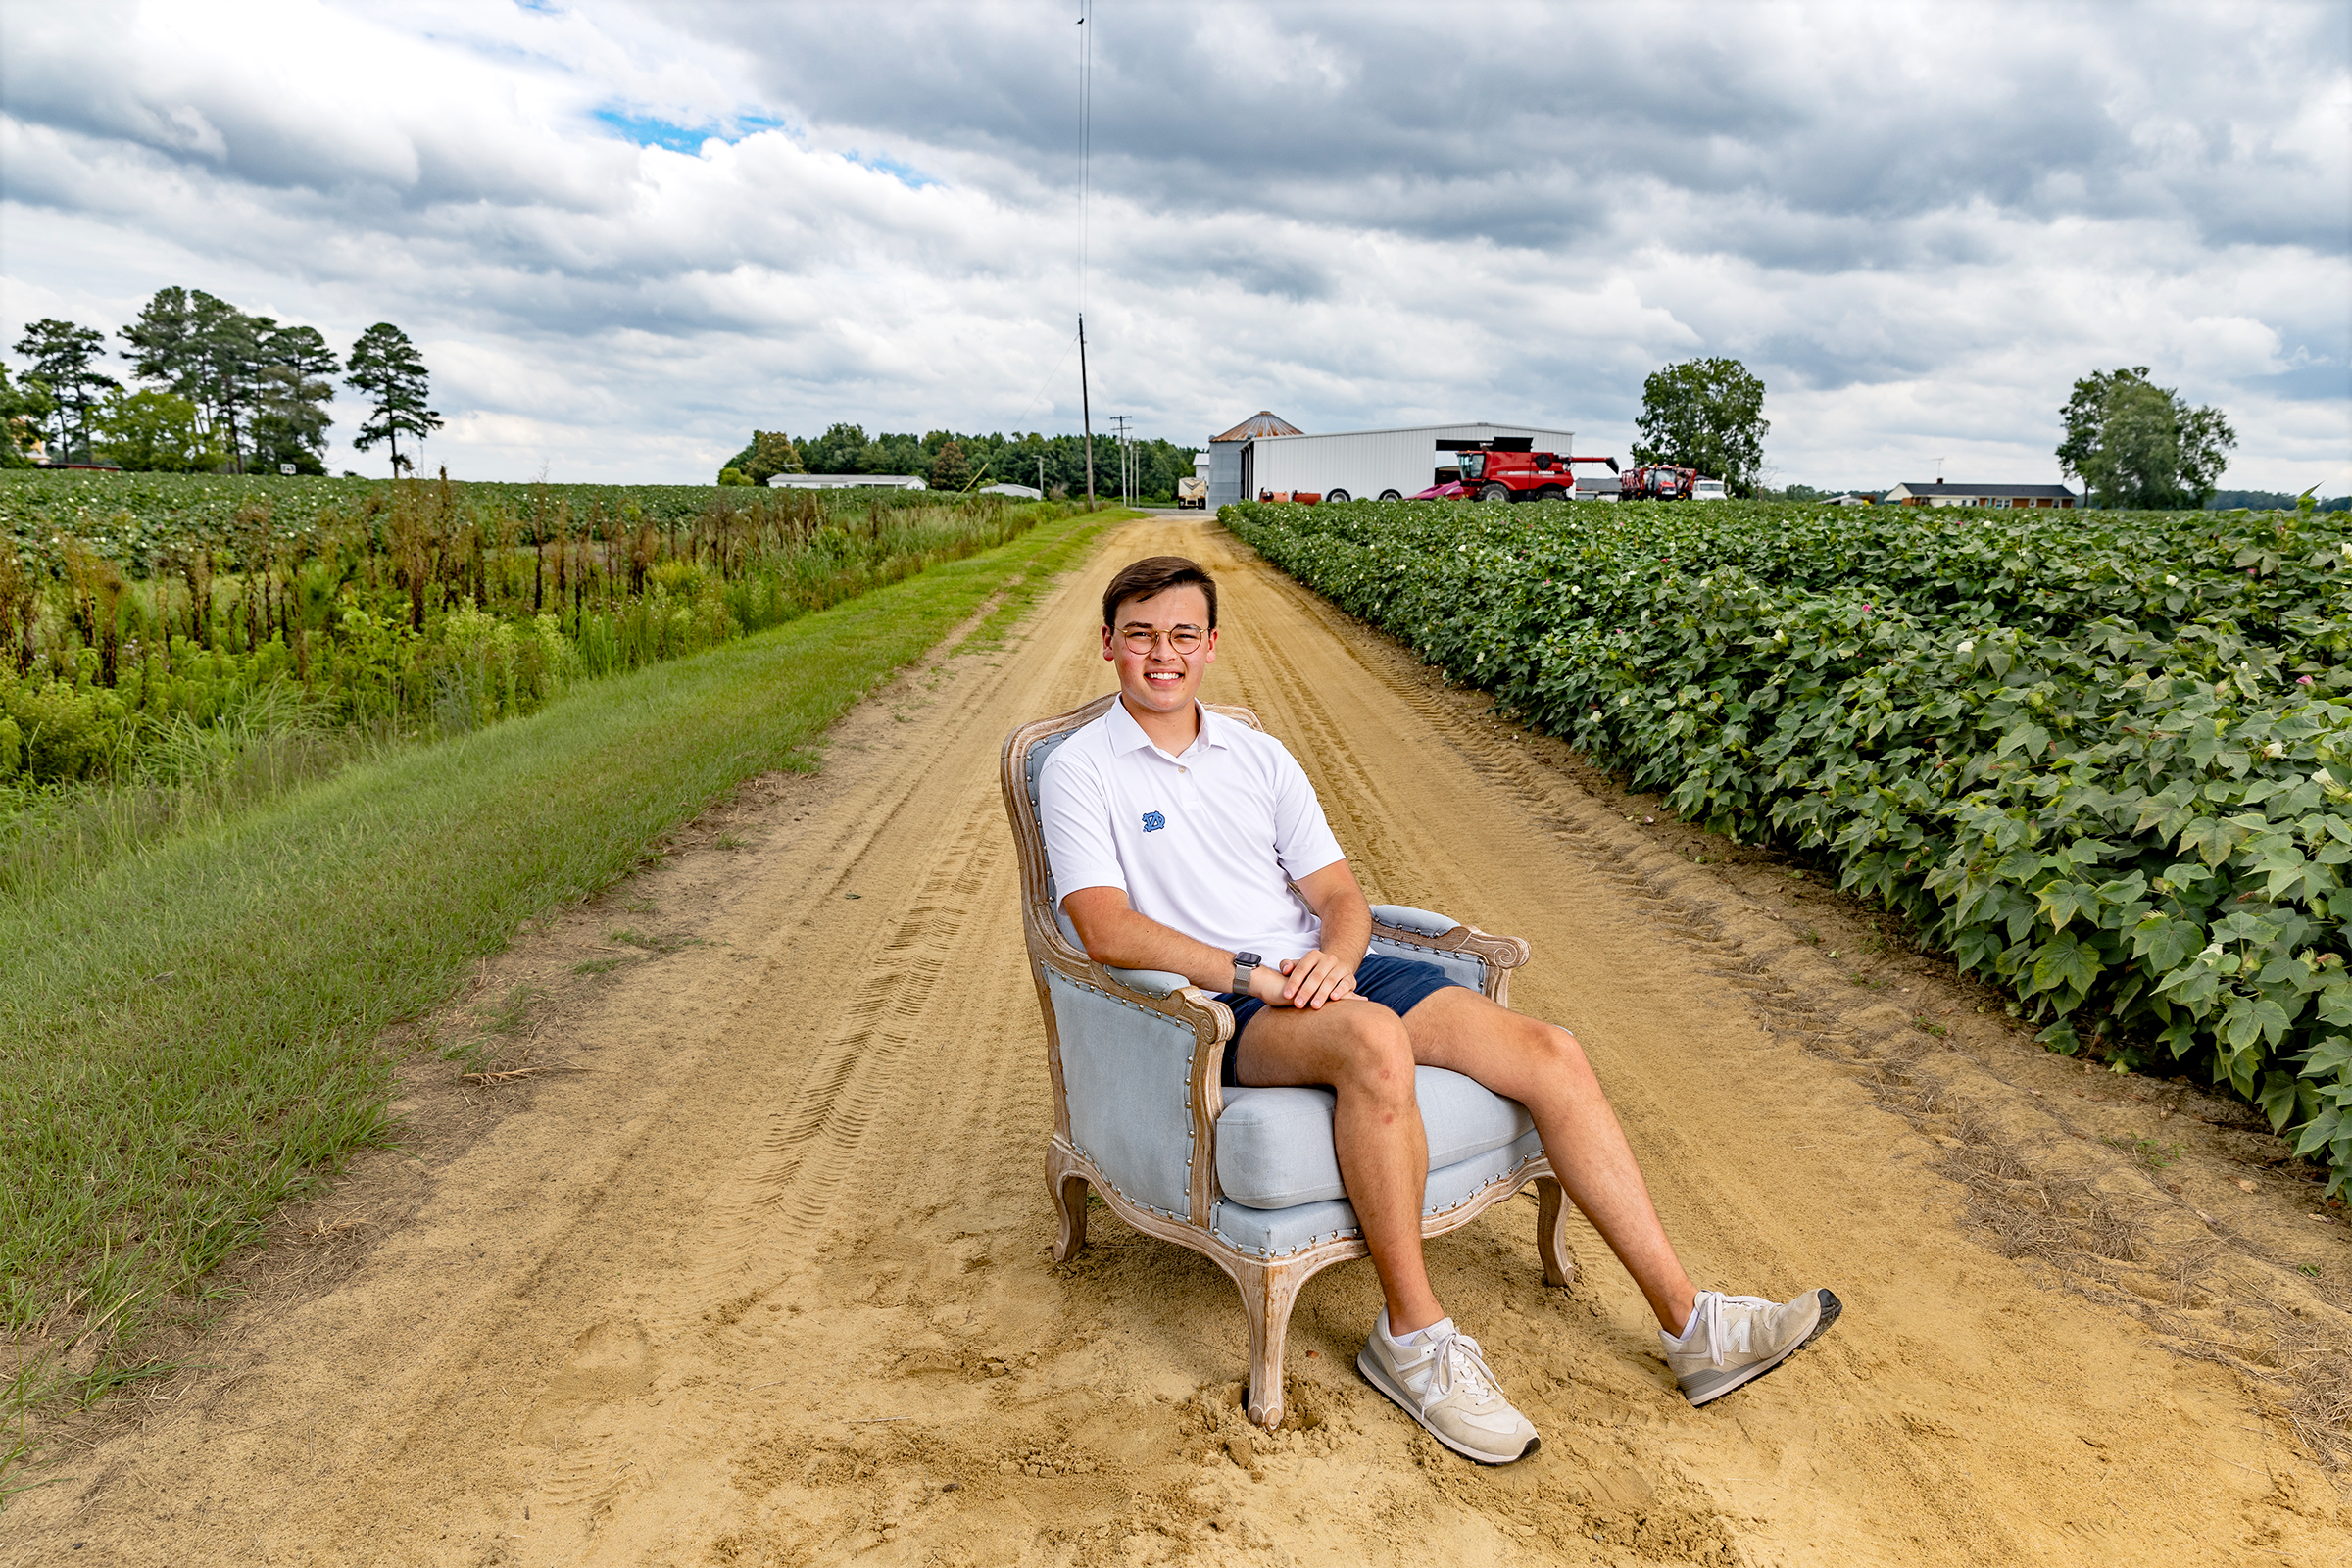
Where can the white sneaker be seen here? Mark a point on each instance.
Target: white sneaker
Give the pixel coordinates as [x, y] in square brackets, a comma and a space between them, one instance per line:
[1732, 1339]
[1447, 1386]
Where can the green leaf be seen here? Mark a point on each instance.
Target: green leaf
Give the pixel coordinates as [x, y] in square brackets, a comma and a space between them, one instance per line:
[2331, 1058]
[2166, 942]
[2248, 1019]
[2065, 962]
[2278, 1098]
[2063, 901]
[2031, 739]
[2322, 1130]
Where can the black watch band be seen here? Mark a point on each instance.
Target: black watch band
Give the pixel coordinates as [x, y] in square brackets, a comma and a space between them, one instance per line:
[1242, 963]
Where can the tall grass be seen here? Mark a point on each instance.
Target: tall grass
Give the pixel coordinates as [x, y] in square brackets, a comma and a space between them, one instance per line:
[132, 708]
[420, 605]
[189, 1036]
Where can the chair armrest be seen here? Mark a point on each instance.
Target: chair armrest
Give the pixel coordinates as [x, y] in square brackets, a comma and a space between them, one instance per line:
[1136, 1057]
[1151, 982]
[1405, 918]
[1408, 932]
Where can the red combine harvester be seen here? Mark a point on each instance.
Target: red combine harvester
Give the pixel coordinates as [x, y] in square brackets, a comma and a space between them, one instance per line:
[1658, 482]
[1506, 469]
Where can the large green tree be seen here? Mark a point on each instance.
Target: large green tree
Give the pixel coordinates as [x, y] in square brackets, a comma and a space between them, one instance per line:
[386, 368]
[770, 453]
[2136, 443]
[200, 347]
[290, 398]
[65, 358]
[25, 408]
[840, 450]
[155, 433]
[1706, 414]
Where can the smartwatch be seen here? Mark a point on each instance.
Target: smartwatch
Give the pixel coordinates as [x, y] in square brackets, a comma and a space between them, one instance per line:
[1242, 963]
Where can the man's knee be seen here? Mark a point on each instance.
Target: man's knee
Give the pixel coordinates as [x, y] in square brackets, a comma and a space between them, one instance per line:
[1557, 1052]
[1379, 1057]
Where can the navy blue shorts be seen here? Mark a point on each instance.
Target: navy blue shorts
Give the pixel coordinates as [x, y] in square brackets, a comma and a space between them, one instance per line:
[1397, 984]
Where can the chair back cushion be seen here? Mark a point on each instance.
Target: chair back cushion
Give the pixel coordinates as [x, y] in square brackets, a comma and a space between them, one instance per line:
[1033, 766]
[1274, 1146]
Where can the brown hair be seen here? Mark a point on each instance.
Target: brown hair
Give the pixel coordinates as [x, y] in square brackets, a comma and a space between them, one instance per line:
[1140, 579]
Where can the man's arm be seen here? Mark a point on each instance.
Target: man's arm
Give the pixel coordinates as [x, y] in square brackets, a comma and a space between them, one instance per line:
[1338, 902]
[1114, 934]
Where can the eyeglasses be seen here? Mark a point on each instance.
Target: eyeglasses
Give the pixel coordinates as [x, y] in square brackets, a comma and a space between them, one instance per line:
[1182, 640]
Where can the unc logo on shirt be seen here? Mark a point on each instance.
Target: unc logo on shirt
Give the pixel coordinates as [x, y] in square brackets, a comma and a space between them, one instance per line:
[1154, 821]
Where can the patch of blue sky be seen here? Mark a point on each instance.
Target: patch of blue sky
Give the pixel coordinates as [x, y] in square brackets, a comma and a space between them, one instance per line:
[650, 130]
[905, 175]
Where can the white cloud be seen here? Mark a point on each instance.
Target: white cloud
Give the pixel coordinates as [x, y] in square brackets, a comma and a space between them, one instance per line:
[1920, 225]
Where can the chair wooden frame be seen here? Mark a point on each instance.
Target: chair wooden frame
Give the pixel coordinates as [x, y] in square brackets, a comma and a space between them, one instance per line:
[1269, 1286]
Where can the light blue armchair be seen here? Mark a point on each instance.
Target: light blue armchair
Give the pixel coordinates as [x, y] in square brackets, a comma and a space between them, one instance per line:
[1246, 1176]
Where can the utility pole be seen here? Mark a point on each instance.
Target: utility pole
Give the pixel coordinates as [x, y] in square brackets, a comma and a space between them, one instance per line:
[1126, 489]
[1086, 412]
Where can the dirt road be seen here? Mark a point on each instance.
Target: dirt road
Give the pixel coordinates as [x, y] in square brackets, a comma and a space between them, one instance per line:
[765, 1280]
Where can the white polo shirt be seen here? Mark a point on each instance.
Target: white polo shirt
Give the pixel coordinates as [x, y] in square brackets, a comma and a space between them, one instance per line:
[1206, 842]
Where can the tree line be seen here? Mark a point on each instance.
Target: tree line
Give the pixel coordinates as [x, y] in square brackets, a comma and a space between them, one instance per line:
[224, 392]
[948, 460]
[2130, 442]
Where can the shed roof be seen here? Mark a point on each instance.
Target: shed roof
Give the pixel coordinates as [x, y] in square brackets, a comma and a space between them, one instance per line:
[1263, 422]
[2012, 490]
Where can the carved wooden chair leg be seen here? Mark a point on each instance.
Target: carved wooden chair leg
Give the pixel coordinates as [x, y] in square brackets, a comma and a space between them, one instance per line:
[1069, 1189]
[1268, 1293]
[1551, 1232]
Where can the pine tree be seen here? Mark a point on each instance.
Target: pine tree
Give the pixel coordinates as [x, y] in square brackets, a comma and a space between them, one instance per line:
[291, 422]
[951, 470]
[386, 368]
[63, 356]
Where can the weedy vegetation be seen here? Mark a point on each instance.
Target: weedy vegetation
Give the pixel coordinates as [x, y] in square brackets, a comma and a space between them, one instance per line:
[2103, 758]
[194, 1033]
[173, 646]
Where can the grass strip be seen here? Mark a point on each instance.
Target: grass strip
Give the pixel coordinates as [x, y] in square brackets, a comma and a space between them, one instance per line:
[191, 1038]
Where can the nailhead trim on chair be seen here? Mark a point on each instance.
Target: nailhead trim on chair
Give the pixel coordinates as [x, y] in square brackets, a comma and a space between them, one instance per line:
[1321, 1237]
[1450, 952]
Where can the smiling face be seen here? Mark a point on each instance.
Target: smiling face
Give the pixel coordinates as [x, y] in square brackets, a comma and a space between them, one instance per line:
[1161, 681]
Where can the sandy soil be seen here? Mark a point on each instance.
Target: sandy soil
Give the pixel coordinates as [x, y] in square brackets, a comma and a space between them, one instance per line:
[762, 1276]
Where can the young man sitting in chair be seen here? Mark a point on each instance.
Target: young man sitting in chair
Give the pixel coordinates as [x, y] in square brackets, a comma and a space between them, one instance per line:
[1176, 837]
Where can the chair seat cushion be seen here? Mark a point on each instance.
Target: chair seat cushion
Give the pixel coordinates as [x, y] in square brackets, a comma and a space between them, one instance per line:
[1274, 1146]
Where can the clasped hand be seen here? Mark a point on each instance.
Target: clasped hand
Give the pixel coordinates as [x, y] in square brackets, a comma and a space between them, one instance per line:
[1308, 981]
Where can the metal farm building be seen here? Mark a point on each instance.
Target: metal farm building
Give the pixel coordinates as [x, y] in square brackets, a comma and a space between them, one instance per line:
[1265, 454]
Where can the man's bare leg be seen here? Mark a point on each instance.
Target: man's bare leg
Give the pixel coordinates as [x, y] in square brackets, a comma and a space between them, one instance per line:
[1364, 1052]
[1543, 1067]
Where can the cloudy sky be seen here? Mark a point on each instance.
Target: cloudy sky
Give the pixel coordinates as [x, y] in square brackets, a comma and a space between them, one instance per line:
[626, 234]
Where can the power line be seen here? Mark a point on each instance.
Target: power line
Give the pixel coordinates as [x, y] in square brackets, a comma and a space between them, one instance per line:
[1086, 146]
[1126, 457]
[1086, 140]
[1068, 345]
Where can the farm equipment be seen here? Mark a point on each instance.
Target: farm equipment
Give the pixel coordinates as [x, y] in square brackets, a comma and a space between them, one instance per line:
[1658, 482]
[1506, 470]
[1192, 491]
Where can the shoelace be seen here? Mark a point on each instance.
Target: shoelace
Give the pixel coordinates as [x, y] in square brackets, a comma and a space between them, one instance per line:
[1708, 1313]
[1460, 1358]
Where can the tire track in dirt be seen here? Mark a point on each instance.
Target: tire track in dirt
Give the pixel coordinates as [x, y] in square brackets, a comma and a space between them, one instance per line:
[771, 1283]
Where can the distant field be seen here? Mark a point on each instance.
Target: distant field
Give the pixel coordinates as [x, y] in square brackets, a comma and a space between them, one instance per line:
[131, 517]
[171, 646]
